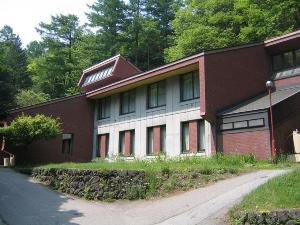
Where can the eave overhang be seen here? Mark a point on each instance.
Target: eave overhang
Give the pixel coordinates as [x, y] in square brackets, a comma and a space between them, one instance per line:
[178, 67]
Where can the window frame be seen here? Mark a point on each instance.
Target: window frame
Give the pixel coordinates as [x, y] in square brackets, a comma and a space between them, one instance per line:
[283, 62]
[132, 142]
[100, 108]
[163, 126]
[194, 96]
[69, 142]
[157, 95]
[248, 126]
[133, 92]
[199, 121]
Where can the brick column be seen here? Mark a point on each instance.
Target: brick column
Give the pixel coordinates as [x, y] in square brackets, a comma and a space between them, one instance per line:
[103, 145]
[193, 136]
[156, 140]
[127, 143]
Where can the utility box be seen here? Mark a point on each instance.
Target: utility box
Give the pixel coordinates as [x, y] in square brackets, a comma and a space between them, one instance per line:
[296, 138]
[6, 162]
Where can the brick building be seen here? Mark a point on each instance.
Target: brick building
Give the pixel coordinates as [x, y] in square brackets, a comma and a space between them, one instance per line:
[212, 101]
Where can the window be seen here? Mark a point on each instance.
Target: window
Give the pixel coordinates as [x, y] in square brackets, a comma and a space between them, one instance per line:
[189, 86]
[67, 143]
[242, 124]
[99, 75]
[193, 136]
[127, 101]
[286, 60]
[156, 140]
[104, 108]
[103, 145]
[126, 142]
[157, 94]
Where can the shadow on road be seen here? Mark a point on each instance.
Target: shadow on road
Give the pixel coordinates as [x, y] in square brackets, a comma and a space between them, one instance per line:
[23, 202]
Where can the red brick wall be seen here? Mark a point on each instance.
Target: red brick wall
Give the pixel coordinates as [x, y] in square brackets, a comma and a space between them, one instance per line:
[156, 140]
[193, 136]
[103, 145]
[128, 143]
[230, 77]
[76, 115]
[255, 142]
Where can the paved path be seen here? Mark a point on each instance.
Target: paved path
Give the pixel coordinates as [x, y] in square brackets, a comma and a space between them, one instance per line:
[23, 202]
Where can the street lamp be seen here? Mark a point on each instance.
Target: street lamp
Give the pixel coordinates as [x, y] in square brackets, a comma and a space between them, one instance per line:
[269, 85]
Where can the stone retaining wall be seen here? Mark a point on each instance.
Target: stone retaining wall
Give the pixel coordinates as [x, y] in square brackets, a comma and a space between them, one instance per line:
[95, 184]
[279, 217]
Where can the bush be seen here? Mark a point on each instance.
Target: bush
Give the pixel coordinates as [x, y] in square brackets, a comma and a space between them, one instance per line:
[25, 129]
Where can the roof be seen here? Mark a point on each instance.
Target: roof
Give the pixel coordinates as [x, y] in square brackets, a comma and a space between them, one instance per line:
[261, 102]
[282, 38]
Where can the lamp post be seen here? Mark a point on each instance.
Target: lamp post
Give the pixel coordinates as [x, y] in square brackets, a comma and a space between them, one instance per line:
[269, 85]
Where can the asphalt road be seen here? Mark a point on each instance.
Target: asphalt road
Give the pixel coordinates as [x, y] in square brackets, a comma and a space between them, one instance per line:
[24, 202]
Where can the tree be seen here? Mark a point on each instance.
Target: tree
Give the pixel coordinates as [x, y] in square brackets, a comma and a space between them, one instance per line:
[56, 69]
[14, 58]
[6, 90]
[211, 24]
[108, 18]
[25, 129]
[30, 97]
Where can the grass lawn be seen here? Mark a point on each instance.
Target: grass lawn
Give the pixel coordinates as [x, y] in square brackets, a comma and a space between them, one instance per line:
[280, 192]
[216, 163]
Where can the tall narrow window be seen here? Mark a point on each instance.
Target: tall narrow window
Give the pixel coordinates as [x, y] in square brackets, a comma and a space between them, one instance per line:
[157, 94]
[103, 145]
[193, 136]
[185, 137]
[67, 143]
[189, 86]
[104, 108]
[126, 142]
[127, 100]
[156, 140]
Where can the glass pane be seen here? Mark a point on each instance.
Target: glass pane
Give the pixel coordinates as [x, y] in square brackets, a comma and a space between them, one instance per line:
[132, 142]
[226, 126]
[107, 107]
[187, 87]
[241, 124]
[132, 101]
[150, 141]
[297, 57]
[161, 93]
[102, 108]
[196, 85]
[257, 122]
[163, 138]
[185, 137]
[277, 63]
[153, 95]
[124, 103]
[288, 59]
[202, 135]
[122, 142]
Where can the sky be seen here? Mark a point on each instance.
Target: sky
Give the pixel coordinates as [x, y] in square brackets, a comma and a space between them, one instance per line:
[24, 15]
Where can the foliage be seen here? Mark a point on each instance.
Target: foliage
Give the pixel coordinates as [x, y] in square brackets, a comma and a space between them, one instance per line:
[211, 24]
[54, 65]
[30, 97]
[25, 129]
[14, 57]
[6, 90]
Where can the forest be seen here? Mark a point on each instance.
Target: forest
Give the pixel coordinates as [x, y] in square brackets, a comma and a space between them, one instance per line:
[149, 33]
